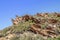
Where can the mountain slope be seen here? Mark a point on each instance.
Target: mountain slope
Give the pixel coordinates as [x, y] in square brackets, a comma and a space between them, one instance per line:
[37, 27]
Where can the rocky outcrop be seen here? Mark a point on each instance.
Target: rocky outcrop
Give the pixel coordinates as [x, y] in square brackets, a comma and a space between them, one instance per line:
[46, 25]
[37, 28]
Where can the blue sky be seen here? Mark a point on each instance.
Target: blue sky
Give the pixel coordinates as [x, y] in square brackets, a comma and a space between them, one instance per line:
[10, 8]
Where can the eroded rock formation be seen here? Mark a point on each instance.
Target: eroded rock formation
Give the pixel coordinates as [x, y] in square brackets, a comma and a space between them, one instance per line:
[48, 31]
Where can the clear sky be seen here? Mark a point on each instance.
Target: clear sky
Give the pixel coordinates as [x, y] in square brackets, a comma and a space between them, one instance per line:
[10, 8]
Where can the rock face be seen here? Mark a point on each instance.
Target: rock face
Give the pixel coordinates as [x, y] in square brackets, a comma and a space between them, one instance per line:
[46, 25]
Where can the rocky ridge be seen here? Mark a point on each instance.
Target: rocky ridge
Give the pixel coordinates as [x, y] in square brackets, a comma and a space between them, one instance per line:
[44, 25]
